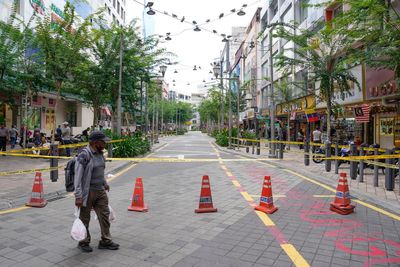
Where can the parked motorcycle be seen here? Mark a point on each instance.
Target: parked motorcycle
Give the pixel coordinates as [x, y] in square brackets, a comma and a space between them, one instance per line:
[319, 154]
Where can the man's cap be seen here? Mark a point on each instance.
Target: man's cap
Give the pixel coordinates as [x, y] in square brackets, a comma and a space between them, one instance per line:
[65, 123]
[98, 136]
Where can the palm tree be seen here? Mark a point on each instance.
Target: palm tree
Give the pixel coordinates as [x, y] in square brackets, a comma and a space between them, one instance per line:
[323, 55]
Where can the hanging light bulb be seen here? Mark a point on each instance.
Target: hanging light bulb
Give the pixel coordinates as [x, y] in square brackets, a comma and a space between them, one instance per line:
[150, 12]
[241, 13]
[168, 38]
[252, 45]
[224, 40]
[210, 72]
[194, 68]
[197, 29]
[204, 81]
[175, 71]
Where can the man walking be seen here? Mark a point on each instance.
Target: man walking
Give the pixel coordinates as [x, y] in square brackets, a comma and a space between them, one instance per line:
[90, 190]
[4, 137]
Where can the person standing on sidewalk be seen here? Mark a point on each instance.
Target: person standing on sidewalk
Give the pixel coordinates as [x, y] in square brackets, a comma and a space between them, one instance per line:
[66, 137]
[13, 136]
[90, 190]
[4, 137]
[316, 137]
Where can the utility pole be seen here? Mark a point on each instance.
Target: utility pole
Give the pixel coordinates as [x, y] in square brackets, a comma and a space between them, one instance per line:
[228, 68]
[222, 97]
[119, 100]
[272, 103]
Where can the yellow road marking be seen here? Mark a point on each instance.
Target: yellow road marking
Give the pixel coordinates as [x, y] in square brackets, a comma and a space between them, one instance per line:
[235, 183]
[224, 168]
[264, 218]
[14, 210]
[394, 216]
[290, 250]
[120, 173]
[389, 214]
[294, 255]
[68, 195]
[247, 196]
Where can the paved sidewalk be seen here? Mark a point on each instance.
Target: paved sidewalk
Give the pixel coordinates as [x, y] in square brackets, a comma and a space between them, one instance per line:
[16, 188]
[294, 159]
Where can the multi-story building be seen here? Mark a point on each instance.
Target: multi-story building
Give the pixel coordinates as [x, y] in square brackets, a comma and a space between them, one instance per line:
[42, 111]
[115, 9]
[196, 99]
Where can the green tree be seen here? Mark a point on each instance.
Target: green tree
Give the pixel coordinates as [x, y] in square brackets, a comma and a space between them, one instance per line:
[62, 46]
[323, 55]
[374, 26]
[209, 108]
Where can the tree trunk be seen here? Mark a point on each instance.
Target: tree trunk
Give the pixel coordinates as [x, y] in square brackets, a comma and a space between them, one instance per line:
[329, 110]
[58, 87]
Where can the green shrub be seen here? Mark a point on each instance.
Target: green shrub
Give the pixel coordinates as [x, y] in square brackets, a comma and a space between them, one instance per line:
[222, 138]
[131, 147]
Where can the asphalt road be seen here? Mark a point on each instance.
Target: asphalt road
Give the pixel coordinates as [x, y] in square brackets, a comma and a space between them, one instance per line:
[303, 232]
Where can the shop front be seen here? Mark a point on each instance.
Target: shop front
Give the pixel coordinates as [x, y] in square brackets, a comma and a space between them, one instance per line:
[383, 95]
[344, 125]
[294, 112]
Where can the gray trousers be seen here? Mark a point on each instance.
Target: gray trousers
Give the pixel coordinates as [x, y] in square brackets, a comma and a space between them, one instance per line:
[97, 200]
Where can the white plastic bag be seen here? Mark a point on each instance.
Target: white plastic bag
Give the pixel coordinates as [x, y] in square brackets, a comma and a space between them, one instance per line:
[78, 231]
[112, 217]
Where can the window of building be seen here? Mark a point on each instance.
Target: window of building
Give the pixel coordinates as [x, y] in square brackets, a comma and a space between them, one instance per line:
[109, 11]
[113, 18]
[122, 13]
[118, 7]
[114, 3]
[303, 10]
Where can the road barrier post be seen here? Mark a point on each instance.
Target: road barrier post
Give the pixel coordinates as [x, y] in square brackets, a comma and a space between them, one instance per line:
[336, 160]
[353, 164]
[281, 145]
[258, 146]
[306, 153]
[110, 150]
[252, 147]
[389, 179]
[376, 169]
[328, 154]
[361, 165]
[54, 162]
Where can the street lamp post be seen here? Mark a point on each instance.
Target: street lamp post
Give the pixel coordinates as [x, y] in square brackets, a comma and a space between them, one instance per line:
[272, 104]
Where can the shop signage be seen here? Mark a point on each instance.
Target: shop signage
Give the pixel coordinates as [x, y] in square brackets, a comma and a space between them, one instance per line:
[297, 105]
[353, 95]
[250, 113]
[380, 83]
[38, 6]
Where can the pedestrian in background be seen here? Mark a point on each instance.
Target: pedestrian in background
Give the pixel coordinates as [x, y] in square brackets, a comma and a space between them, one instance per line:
[90, 190]
[300, 138]
[58, 132]
[316, 137]
[4, 137]
[13, 136]
[23, 133]
[66, 137]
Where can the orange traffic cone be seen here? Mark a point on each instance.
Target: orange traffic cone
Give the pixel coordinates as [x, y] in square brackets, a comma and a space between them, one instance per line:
[138, 197]
[205, 203]
[37, 199]
[342, 201]
[266, 200]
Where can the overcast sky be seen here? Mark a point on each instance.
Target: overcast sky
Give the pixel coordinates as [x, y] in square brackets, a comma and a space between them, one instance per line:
[194, 48]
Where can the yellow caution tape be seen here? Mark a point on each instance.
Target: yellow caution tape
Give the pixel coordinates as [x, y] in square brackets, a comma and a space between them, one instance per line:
[81, 144]
[30, 171]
